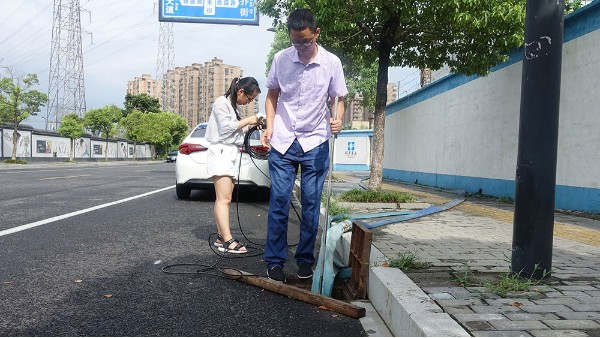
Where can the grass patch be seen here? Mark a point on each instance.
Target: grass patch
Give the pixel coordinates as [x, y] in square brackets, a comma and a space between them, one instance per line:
[334, 207]
[14, 161]
[506, 200]
[407, 262]
[506, 283]
[376, 196]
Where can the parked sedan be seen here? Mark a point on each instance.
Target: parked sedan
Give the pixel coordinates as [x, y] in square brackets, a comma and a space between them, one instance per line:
[191, 172]
[172, 156]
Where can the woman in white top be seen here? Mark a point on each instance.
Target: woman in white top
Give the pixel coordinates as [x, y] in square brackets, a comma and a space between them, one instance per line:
[225, 132]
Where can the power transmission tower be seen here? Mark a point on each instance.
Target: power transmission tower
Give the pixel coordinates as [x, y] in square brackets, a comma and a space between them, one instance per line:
[166, 61]
[66, 90]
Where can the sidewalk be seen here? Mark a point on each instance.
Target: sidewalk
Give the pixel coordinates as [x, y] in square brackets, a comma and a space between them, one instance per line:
[75, 164]
[478, 234]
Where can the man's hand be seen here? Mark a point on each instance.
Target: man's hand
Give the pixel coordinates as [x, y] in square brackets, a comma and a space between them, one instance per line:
[266, 137]
[336, 125]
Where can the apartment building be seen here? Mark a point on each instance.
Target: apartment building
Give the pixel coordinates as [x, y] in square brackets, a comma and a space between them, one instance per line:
[191, 90]
[144, 85]
[359, 117]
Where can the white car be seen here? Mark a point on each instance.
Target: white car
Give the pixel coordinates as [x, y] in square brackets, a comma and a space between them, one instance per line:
[190, 167]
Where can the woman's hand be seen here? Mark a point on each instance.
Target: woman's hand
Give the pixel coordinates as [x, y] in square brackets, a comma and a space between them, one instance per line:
[252, 120]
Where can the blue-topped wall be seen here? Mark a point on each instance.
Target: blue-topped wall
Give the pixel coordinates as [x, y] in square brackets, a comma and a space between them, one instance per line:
[461, 132]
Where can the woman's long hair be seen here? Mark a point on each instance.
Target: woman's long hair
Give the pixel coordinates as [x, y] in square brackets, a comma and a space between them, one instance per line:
[248, 84]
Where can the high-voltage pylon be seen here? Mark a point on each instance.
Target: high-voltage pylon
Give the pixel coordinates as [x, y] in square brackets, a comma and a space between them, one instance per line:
[66, 90]
[166, 61]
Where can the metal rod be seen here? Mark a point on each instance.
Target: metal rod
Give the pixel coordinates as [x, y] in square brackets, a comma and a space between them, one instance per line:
[328, 196]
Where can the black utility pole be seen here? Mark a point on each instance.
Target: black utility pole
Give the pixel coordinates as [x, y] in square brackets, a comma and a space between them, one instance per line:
[538, 139]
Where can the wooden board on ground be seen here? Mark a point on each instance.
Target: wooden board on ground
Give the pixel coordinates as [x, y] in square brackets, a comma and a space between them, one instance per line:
[294, 292]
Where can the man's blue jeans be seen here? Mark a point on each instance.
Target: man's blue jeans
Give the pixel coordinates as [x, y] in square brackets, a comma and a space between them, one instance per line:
[314, 165]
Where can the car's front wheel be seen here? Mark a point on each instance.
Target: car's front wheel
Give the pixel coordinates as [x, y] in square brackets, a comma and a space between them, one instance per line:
[182, 191]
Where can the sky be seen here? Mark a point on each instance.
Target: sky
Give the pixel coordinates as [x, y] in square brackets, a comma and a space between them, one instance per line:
[120, 42]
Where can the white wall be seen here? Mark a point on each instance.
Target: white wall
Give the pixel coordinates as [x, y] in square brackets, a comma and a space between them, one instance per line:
[462, 132]
[35, 144]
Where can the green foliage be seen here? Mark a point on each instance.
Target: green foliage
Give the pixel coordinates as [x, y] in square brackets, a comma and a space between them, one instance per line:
[142, 102]
[102, 120]
[506, 199]
[71, 126]
[376, 196]
[573, 5]
[281, 41]
[407, 262]
[163, 129]
[14, 161]
[506, 283]
[469, 36]
[18, 101]
[133, 125]
[334, 207]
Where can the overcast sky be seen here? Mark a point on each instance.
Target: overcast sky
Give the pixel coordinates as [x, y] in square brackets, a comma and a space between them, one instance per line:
[120, 42]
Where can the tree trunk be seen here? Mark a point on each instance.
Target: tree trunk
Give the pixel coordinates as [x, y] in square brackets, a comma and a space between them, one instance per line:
[15, 140]
[106, 151]
[71, 150]
[134, 151]
[379, 118]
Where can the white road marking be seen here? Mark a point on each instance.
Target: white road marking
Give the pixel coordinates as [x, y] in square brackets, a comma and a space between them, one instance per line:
[62, 177]
[75, 213]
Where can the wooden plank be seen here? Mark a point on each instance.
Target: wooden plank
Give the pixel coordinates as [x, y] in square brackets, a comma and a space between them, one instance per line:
[297, 293]
[360, 252]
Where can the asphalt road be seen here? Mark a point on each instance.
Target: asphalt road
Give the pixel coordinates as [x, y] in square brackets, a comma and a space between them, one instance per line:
[84, 249]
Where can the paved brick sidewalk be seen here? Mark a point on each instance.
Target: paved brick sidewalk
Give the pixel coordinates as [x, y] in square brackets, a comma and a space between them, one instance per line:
[478, 234]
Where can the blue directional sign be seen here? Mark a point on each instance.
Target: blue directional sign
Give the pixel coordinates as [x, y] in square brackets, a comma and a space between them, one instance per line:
[233, 12]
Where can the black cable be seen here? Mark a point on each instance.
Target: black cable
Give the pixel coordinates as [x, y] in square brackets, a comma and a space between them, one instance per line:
[258, 152]
[261, 153]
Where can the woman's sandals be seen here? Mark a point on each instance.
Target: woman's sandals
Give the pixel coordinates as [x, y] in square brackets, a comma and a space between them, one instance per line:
[225, 246]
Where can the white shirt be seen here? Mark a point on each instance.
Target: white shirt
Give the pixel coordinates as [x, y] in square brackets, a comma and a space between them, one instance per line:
[223, 123]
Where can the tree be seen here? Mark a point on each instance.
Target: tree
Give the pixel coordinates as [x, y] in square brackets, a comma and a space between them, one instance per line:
[103, 121]
[178, 130]
[133, 124]
[142, 102]
[469, 36]
[72, 127]
[164, 129]
[18, 101]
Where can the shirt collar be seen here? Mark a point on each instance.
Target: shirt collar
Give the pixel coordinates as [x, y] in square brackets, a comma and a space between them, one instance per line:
[317, 59]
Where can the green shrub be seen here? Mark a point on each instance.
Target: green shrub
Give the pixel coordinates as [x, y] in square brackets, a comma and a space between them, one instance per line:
[379, 196]
[407, 262]
[14, 161]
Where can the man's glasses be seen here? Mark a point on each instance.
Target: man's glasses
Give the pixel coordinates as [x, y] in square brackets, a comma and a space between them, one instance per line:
[303, 44]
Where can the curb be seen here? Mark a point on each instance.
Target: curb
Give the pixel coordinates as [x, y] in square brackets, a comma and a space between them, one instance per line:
[404, 308]
[402, 305]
